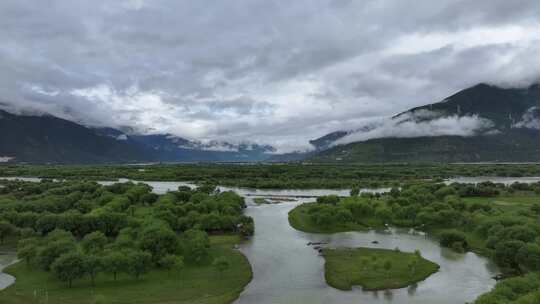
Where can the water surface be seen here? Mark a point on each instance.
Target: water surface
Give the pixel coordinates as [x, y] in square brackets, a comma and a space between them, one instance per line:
[494, 179]
[6, 259]
[286, 270]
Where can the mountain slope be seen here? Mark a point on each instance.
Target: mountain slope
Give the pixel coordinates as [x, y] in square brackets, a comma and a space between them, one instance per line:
[507, 129]
[46, 138]
[49, 139]
[504, 107]
[168, 147]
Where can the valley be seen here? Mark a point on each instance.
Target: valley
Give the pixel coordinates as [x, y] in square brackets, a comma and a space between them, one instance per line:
[273, 237]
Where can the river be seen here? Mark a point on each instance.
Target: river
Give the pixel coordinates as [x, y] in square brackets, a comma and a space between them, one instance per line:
[287, 270]
[6, 259]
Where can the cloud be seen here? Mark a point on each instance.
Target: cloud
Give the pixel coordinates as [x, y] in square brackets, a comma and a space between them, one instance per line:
[6, 159]
[278, 72]
[529, 120]
[421, 124]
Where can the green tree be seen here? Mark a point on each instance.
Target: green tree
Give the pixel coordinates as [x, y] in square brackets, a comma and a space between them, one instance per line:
[529, 257]
[454, 239]
[168, 262]
[115, 262]
[94, 242]
[195, 246]
[383, 213]
[159, 240]
[69, 267]
[27, 249]
[221, 264]
[139, 262]
[179, 265]
[328, 199]
[131, 210]
[207, 189]
[92, 266]
[6, 229]
[506, 252]
[364, 263]
[413, 264]
[535, 208]
[387, 265]
[51, 251]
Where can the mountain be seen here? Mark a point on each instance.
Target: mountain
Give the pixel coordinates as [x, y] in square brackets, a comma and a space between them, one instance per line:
[483, 123]
[168, 147]
[46, 138]
[504, 107]
[327, 140]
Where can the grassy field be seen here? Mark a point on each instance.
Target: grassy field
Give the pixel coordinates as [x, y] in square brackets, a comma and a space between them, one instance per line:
[347, 267]
[299, 219]
[199, 285]
[514, 202]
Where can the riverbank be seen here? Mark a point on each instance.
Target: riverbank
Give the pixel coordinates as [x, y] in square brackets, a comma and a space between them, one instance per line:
[200, 284]
[375, 269]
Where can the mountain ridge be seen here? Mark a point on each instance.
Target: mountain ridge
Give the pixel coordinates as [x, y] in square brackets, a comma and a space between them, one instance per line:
[507, 119]
[37, 137]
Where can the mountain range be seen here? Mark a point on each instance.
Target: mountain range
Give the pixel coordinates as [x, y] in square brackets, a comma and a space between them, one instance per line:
[484, 123]
[43, 138]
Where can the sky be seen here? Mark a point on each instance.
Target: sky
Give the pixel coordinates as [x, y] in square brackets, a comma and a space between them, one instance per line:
[265, 71]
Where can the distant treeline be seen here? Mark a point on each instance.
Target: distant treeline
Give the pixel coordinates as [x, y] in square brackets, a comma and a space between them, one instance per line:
[277, 175]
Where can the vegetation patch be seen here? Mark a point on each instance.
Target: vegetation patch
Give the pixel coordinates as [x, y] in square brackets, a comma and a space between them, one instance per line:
[300, 218]
[499, 221]
[81, 242]
[261, 201]
[518, 290]
[275, 176]
[375, 269]
[193, 284]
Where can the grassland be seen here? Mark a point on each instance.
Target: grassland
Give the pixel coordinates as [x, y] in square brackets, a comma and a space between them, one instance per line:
[364, 267]
[194, 284]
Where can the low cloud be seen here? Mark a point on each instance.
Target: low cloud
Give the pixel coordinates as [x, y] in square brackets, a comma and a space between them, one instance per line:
[5, 159]
[529, 120]
[277, 72]
[406, 126]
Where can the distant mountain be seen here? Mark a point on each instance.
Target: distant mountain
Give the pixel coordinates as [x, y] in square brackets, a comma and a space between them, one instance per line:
[45, 138]
[168, 147]
[327, 140]
[504, 107]
[481, 123]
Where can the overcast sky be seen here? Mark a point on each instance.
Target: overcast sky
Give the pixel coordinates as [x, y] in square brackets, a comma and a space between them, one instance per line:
[277, 72]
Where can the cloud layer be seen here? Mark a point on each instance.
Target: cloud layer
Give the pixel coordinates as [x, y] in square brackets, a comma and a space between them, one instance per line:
[278, 72]
[406, 127]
